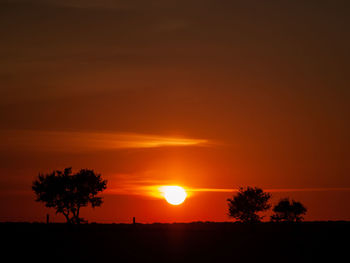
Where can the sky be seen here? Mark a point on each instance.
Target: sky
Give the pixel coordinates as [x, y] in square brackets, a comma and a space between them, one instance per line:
[209, 95]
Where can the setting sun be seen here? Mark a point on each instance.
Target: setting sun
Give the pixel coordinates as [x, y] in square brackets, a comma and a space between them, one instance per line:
[174, 195]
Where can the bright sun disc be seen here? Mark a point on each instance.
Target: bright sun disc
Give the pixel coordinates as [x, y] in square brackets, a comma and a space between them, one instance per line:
[174, 195]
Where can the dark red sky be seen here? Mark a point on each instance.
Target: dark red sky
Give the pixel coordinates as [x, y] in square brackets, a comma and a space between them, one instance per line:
[204, 94]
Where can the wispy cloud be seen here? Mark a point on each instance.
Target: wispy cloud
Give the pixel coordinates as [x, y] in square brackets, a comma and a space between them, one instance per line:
[66, 141]
[103, 4]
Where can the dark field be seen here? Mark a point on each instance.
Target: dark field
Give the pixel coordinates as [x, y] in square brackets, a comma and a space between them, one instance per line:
[195, 242]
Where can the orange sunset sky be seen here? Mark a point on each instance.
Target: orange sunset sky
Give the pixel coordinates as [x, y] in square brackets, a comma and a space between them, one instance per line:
[208, 95]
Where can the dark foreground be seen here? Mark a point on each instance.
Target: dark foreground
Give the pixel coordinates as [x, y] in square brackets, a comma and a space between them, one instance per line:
[195, 242]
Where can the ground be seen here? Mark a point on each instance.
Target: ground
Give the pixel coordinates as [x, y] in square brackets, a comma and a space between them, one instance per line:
[193, 242]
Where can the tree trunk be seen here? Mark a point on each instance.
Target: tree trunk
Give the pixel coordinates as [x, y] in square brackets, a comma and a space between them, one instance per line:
[67, 217]
[77, 216]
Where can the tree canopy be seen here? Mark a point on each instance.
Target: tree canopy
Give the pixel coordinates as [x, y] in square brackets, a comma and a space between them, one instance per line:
[245, 205]
[67, 192]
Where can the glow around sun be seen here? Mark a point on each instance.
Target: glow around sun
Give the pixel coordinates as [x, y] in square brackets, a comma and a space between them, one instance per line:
[173, 194]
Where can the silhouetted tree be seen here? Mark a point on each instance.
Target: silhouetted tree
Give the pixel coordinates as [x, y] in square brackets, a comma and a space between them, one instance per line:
[245, 205]
[67, 192]
[288, 211]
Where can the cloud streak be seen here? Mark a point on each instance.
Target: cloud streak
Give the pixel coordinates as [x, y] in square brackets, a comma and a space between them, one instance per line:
[274, 190]
[153, 190]
[66, 141]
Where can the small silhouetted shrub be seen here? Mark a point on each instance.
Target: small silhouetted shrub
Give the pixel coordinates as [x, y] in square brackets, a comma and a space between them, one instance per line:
[288, 211]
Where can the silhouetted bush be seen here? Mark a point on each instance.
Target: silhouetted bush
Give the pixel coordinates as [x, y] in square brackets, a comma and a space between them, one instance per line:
[245, 205]
[288, 211]
[67, 192]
